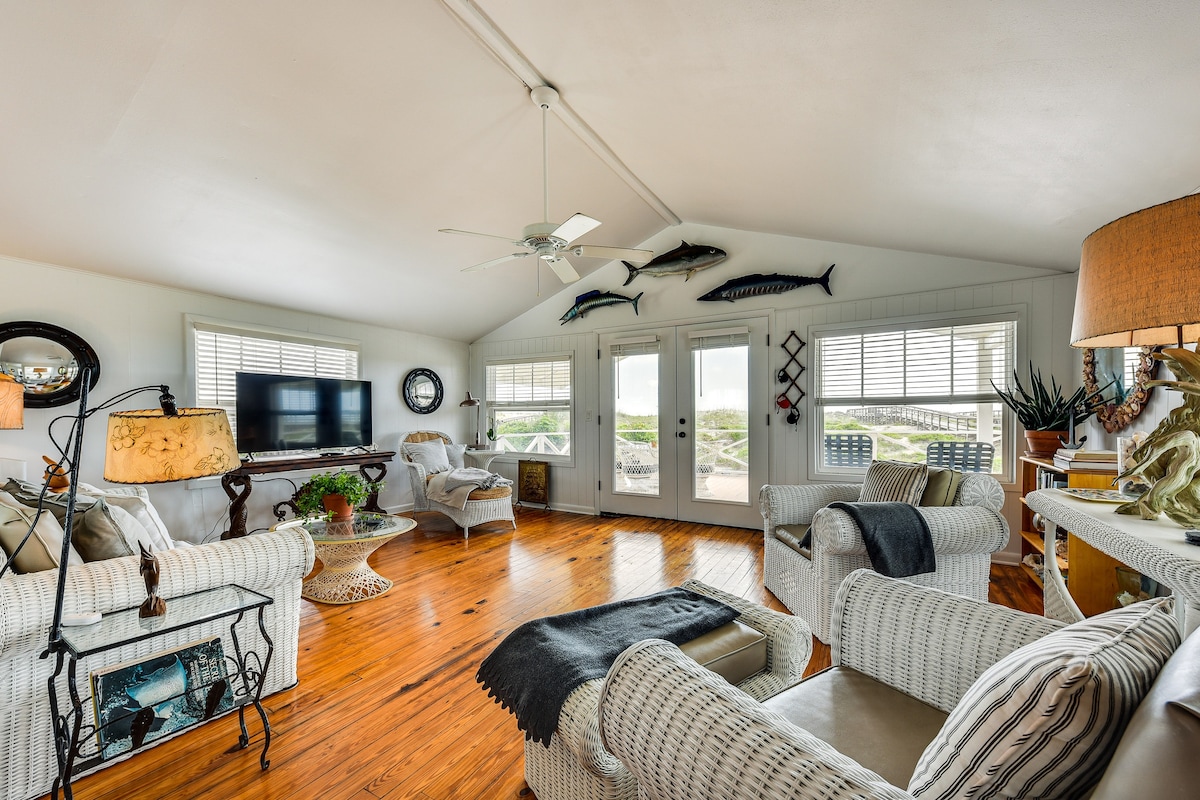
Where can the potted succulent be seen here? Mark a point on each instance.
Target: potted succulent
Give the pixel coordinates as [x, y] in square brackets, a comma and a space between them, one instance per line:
[334, 494]
[1045, 414]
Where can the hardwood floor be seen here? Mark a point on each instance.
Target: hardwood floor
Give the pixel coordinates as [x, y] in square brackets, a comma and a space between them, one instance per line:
[387, 706]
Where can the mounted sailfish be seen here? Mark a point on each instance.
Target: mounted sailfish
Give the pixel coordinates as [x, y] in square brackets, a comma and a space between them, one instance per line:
[596, 299]
[755, 285]
[687, 258]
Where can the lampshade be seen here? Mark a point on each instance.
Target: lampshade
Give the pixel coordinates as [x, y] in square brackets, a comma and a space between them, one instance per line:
[470, 402]
[150, 447]
[12, 404]
[1139, 279]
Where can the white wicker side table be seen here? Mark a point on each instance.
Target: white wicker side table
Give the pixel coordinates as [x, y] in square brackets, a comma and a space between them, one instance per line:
[342, 549]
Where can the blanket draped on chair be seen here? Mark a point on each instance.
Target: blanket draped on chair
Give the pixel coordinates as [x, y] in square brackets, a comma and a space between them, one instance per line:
[453, 488]
[541, 662]
[896, 535]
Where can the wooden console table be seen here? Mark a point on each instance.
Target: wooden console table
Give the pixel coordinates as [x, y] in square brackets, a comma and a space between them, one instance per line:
[237, 484]
[1155, 548]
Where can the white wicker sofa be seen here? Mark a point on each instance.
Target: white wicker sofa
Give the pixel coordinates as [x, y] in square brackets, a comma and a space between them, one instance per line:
[806, 580]
[271, 563]
[906, 660]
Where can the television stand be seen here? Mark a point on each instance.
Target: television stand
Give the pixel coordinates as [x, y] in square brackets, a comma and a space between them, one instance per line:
[237, 484]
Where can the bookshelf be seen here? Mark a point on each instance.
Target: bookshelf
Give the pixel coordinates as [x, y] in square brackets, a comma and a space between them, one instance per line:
[1091, 575]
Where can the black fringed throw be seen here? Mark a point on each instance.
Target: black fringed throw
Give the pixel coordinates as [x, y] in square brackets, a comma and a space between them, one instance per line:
[896, 535]
[539, 664]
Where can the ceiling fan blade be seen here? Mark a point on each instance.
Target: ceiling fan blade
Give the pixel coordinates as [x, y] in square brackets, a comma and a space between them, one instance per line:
[575, 227]
[563, 269]
[508, 239]
[496, 262]
[623, 253]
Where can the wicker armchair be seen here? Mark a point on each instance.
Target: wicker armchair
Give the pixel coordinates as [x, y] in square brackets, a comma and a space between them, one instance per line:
[272, 563]
[577, 767]
[806, 580]
[686, 736]
[484, 505]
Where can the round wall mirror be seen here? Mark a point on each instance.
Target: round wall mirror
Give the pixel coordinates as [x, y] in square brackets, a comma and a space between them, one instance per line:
[1128, 369]
[48, 361]
[423, 391]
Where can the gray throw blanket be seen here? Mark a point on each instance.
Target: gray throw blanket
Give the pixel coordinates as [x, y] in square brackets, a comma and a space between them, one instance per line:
[897, 537]
[454, 488]
[539, 664]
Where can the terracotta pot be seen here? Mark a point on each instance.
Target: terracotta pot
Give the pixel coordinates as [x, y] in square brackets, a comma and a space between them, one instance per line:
[1043, 444]
[336, 505]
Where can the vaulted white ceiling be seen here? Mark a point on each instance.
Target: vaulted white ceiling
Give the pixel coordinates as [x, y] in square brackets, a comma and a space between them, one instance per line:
[304, 154]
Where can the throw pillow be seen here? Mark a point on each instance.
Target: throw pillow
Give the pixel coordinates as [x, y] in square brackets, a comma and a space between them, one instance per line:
[44, 546]
[431, 455]
[136, 501]
[941, 487]
[96, 536]
[894, 482]
[454, 454]
[27, 493]
[1044, 720]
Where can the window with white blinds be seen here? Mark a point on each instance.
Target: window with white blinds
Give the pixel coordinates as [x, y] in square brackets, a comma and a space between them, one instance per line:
[222, 351]
[945, 364]
[529, 405]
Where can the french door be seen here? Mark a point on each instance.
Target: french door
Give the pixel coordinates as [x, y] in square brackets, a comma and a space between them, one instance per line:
[683, 435]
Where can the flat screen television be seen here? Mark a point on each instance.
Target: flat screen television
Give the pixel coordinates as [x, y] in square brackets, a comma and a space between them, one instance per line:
[278, 413]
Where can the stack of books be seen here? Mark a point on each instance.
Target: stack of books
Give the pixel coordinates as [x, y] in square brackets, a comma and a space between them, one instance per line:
[1105, 460]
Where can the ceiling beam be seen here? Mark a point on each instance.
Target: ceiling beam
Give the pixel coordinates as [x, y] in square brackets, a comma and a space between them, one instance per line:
[493, 40]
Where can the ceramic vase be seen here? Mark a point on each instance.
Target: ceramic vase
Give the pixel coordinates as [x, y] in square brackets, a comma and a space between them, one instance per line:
[1043, 444]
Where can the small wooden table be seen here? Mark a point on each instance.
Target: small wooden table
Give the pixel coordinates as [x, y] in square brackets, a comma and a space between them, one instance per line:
[343, 548]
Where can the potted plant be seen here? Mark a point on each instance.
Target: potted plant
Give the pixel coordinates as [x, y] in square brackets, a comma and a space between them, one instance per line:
[336, 494]
[1044, 413]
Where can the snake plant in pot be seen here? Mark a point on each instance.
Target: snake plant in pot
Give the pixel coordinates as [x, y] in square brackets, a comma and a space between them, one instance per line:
[335, 494]
[1045, 413]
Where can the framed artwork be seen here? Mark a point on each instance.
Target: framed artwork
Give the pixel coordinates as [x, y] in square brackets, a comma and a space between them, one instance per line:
[533, 482]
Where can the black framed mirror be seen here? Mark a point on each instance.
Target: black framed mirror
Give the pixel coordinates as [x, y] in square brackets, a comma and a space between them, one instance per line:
[1130, 369]
[48, 361]
[422, 391]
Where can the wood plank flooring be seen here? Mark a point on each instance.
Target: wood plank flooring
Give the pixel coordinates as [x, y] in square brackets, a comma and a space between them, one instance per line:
[387, 706]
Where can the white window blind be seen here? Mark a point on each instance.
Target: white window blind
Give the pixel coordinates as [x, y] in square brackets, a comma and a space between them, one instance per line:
[222, 351]
[945, 364]
[523, 384]
[717, 339]
[636, 346]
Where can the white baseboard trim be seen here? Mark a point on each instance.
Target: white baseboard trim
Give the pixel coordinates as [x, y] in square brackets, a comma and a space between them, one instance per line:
[585, 510]
[1006, 557]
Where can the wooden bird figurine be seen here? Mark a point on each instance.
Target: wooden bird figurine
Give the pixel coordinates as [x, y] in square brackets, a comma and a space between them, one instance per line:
[154, 606]
[56, 476]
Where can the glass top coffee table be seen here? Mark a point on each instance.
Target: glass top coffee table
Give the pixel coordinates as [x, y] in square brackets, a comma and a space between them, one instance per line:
[343, 548]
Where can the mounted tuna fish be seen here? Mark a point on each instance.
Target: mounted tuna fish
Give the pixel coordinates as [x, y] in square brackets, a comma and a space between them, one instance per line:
[755, 285]
[687, 258]
[596, 299]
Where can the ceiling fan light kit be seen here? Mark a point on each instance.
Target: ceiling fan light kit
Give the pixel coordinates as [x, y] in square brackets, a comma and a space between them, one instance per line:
[551, 241]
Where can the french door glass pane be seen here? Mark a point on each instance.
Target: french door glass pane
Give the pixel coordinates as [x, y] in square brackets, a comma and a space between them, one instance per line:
[635, 434]
[721, 444]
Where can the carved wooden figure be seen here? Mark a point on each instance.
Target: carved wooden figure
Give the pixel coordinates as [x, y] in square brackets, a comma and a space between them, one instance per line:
[154, 606]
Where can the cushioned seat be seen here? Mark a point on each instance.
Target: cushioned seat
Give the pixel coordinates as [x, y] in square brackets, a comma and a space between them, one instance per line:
[482, 505]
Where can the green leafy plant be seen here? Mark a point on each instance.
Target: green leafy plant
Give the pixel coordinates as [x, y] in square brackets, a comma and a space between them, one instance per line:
[1042, 409]
[350, 485]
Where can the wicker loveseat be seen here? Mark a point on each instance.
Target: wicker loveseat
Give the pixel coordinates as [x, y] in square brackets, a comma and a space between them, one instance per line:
[905, 663]
[271, 563]
[806, 579]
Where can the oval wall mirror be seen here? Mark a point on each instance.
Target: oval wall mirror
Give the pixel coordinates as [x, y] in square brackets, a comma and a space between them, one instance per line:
[422, 391]
[48, 361]
[1131, 368]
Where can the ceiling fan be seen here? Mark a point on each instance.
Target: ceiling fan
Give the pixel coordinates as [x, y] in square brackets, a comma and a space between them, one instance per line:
[552, 241]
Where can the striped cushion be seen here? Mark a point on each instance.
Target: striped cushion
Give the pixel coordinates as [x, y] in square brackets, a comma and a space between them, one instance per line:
[894, 482]
[1044, 721]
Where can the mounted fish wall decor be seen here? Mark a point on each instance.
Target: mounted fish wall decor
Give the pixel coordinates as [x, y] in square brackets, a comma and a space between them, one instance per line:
[756, 285]
[596, 299]
[683, 260]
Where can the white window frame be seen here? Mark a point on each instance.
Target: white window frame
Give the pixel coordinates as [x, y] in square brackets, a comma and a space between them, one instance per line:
[491, 404]
[817, 471]
[214, 396]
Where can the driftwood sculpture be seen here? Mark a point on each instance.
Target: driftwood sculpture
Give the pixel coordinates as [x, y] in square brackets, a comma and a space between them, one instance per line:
[1169, 459]
[153, 606]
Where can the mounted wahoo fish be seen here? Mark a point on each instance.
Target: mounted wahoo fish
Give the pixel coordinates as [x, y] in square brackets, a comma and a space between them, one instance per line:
[687, 258]
[596, 299]
[755, 285]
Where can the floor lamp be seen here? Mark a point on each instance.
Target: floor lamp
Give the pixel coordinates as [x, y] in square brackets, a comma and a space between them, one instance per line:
[1139, 284]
